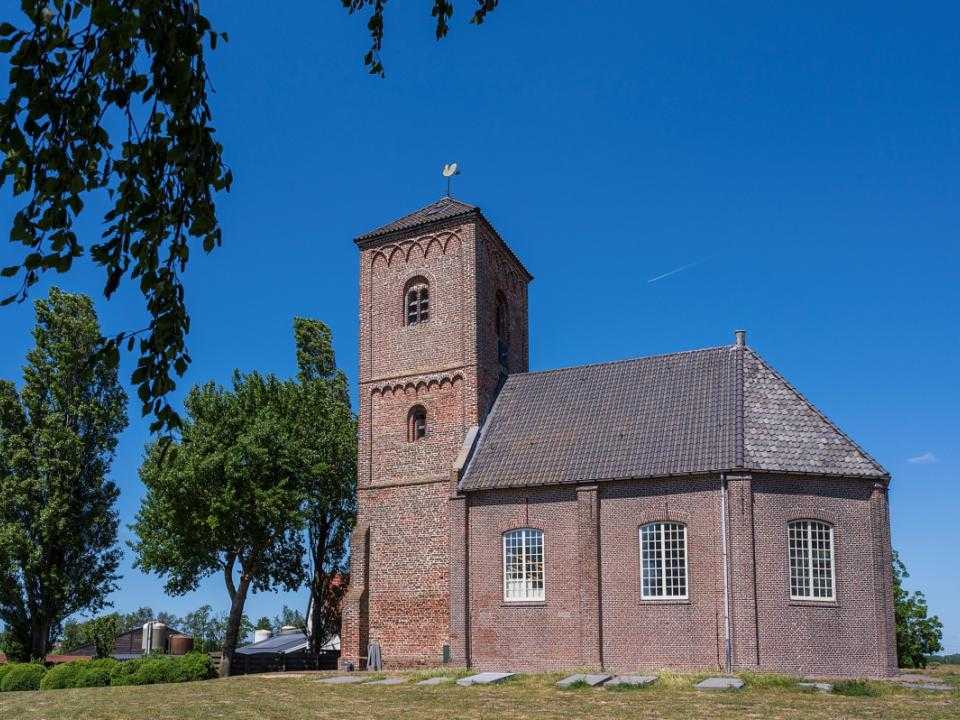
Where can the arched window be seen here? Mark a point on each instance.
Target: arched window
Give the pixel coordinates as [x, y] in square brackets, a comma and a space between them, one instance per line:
[416, 423]
[811, 560]
[416, 301]
[503, 330]
[523, 565]
[663, 561]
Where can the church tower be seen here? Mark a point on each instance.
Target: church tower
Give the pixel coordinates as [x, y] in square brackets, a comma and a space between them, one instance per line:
[443, 320]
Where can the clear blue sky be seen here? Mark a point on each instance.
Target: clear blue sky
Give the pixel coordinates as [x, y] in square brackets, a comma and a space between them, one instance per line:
[805, 159]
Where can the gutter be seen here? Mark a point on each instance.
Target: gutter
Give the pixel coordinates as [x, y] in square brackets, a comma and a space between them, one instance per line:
[727, 639]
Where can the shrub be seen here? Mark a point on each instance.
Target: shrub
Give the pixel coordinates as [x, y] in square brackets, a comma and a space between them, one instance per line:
[61, 677]
[124, 671]
[97, 673]
[158, 669]
[23, 676]
[4, 669]
[194, 666]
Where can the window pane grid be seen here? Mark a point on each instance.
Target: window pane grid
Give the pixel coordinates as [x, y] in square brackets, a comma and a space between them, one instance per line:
[418, 304]
[663, 555]
[523, 565]
[811, 560]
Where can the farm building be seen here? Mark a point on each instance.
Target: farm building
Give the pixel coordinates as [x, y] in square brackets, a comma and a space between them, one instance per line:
[288, 650]
[139, 641]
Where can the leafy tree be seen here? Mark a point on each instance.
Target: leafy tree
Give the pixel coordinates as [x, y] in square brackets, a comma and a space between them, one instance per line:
[58, 435]
[102, 633]
[109, 97]
[137, 618]
[288, 617]
[226, 497]
[263, 624]
[327, 437]
[205, 628]
[918, 635]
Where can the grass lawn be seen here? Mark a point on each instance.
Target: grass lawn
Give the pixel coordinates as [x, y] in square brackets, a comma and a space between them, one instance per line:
[291, 697]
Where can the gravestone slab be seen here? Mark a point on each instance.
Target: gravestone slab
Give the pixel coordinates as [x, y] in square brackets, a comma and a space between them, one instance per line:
[591, 680]
[388, 681]
[344, 679]
[632, 680]
[484, 678]
[720, 683]
[818, 686]
[933, 687]
[915, 679]
[436, 680]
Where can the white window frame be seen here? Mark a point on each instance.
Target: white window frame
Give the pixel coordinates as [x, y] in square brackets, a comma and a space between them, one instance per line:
[529, 593]
[661, 526]
[809, 595]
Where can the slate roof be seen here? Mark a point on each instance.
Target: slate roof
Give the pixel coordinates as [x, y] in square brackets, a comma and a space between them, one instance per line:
[690, 413]
[443, 209]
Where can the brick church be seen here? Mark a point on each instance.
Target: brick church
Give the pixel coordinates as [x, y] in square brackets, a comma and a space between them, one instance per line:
[690, 510]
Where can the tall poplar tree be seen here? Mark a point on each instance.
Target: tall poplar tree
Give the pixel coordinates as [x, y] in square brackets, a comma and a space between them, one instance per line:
[58, 435]
[329, 469]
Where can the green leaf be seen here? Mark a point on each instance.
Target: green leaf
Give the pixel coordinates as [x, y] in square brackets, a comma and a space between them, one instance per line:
[10, 271]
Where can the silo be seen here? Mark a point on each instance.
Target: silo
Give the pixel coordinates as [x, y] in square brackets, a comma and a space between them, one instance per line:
[154, 637]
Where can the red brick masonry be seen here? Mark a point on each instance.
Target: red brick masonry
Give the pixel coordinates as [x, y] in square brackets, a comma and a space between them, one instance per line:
[427, 558]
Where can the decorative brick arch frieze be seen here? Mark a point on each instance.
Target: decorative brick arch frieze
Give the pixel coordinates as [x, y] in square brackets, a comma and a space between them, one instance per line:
[417, 388]
[425, 246]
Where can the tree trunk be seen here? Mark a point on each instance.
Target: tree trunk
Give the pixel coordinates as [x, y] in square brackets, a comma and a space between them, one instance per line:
[39, 637]
[238, 597]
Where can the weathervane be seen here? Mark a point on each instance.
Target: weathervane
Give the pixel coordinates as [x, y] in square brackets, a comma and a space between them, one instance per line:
[449, 171]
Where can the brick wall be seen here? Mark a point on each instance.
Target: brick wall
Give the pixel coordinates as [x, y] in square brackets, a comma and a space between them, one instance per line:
[592, 576]
[653, 633]
[400, 594]
[850, 636]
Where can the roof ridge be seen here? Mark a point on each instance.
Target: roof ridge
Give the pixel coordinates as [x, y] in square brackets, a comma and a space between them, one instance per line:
[411, 220]
[800, 396]
[622, 361]
[739, 420]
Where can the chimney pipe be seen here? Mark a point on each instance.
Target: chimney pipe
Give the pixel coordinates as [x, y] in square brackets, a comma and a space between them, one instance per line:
[741, 336]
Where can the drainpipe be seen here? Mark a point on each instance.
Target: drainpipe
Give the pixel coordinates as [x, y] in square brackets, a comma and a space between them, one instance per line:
[727, 644]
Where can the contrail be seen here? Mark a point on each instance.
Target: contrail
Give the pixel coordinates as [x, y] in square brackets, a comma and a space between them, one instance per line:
[676, 270]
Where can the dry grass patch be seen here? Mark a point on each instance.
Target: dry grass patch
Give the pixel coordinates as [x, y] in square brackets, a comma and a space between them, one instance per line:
[527, 697]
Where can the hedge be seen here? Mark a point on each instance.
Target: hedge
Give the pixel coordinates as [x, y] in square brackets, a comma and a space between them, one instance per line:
[5, 668]
[96, 673]
[60, 677]
[158, 669]
[22, 676]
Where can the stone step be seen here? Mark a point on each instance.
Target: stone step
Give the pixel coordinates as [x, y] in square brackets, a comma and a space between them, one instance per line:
[484, 678]
[720, 683]
[591, 680]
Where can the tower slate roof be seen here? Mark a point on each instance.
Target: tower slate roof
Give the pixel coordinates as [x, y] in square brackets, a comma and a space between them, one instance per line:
[445, 208]
[721, 409]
